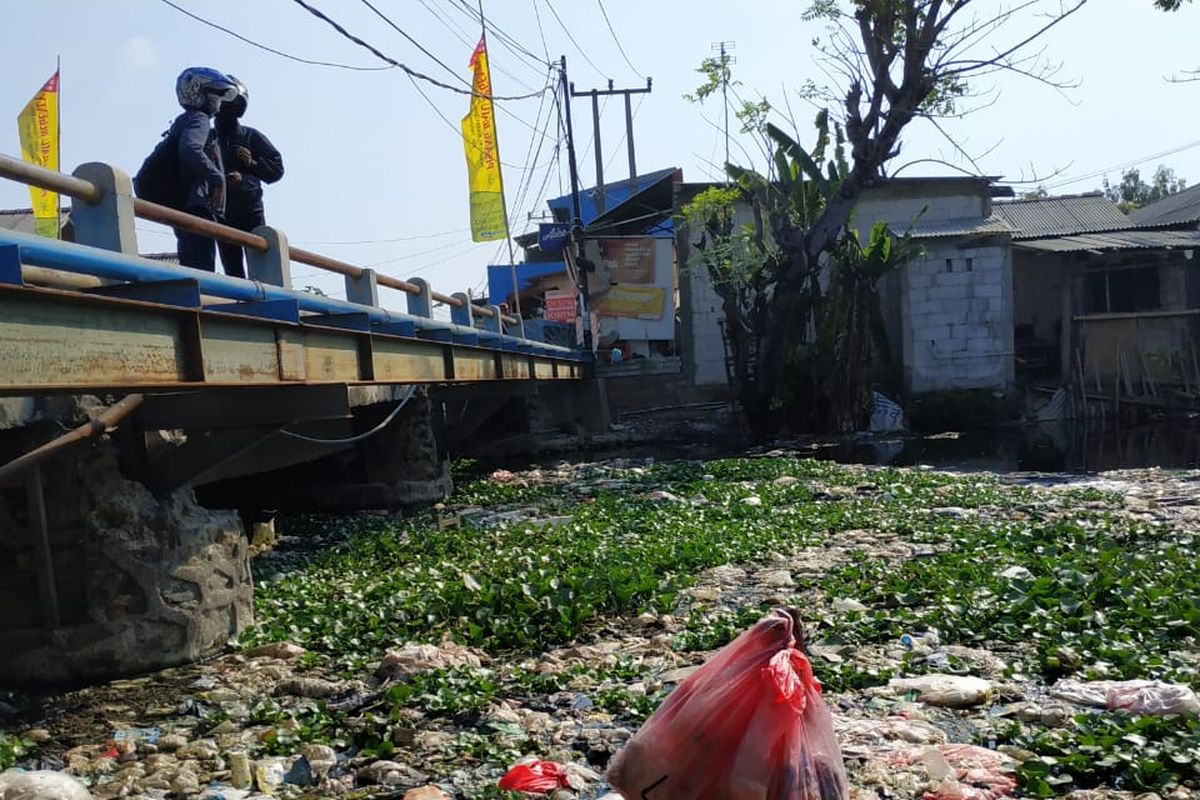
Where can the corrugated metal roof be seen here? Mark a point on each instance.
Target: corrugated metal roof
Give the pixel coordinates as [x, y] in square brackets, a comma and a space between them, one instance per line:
[1115, 240]
[1181, 207]
[961, 227]
[1059, 216]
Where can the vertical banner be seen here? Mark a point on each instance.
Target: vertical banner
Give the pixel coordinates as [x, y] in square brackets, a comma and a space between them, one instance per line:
[38, 126]
[483, 155]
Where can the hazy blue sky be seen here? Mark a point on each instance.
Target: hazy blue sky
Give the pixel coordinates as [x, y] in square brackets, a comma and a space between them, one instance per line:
[368, 159]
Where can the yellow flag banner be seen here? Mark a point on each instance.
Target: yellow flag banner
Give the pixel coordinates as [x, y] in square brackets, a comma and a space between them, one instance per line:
[38, 125]
[483, 155]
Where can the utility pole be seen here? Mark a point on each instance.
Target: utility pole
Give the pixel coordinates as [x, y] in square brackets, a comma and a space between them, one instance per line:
[726, 60]
[596, 94]
[577, 218]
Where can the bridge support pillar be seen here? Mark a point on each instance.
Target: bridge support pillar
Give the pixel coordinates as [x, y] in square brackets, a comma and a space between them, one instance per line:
[109, 223]
[363, 289]
[465, 314]
[140, 583]
[275, 265]
[421, 305]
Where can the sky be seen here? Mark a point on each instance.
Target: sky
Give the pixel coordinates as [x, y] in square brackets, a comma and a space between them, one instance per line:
[376, 173]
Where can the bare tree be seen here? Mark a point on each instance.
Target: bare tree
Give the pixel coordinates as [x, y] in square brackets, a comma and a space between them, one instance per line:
[896, 61]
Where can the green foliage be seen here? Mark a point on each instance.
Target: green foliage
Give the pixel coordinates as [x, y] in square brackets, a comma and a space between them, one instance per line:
[1140, 753]
[1133, 192]
[12, 749]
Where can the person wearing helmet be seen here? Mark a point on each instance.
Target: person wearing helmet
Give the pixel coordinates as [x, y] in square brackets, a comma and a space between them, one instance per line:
[185, 170]
[250, 161]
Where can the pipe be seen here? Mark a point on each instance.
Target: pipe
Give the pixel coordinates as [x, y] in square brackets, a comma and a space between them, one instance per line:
[101, 423]
[90, 192]
[197, 225]
[49, 179]
[51, 253]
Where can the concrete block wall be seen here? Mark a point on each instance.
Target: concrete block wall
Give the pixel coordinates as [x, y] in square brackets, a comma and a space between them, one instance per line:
[706, 358]
[956, 306]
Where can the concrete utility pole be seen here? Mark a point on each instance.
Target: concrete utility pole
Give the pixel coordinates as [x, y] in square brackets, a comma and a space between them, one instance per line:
[576, 217]
[596, 94]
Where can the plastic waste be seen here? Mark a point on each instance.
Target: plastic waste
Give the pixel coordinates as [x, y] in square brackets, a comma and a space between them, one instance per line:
[147, 735]
[17, 784]
[952, 691]
[748, 725]
[241, 771]
[540, 777]
[269, 774]
[1137, 697]
[962, 771]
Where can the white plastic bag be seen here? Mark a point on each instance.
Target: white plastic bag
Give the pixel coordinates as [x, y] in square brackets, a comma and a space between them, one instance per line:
[17, 784]
[952, 691]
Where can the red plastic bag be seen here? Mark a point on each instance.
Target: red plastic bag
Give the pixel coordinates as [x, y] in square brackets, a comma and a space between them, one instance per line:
[540, 777]
[748, 725]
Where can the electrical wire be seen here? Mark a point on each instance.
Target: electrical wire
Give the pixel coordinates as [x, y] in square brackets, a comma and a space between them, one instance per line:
[414, 42]
[459, 34]
[358, 438]
[1125, 165]
[409, 71]
[608, 22]
[567, 31]
[382, 241]
[509, 41]
[262, 46]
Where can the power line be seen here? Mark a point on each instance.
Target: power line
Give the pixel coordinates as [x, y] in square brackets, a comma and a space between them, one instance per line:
[412, 73]
[1125, 165]
[414, 42]
[509, 41]
[414, 237]
[458, 33]
[567, 31]
[624, 55]
[262, 46]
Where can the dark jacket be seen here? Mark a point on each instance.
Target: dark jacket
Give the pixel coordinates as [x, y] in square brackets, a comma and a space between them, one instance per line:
[245, 199]
[200, 170]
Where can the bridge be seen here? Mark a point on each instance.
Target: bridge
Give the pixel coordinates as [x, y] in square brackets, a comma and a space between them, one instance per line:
[178, 385]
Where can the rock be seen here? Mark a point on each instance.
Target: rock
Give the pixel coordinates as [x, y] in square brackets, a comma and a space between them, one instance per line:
[659, 496]
[41, 785]
[284, 651]
[321, 759]
[426, 793]
[391, 773]
[785, 480]
[315, 688]
[413, 658]
[952, 691]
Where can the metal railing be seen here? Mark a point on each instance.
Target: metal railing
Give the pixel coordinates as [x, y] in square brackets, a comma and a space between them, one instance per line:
[93, 194]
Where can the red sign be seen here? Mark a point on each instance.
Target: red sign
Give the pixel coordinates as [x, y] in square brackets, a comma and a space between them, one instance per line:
[561, 306]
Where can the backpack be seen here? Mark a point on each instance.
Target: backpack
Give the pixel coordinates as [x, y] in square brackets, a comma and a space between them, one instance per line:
[158, 181]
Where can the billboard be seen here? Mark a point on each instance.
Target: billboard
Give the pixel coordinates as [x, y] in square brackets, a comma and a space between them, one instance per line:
[632, 289]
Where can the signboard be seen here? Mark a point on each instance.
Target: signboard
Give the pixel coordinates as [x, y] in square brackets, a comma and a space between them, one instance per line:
[553, 236]
[629, 260]
[561, 306]
[638, 302]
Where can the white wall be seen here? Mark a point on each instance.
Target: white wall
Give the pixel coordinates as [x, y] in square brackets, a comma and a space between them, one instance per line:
[957, 318]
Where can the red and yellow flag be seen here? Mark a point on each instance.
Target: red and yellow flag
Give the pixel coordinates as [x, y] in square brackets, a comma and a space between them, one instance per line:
[38, 125]
[488, 220]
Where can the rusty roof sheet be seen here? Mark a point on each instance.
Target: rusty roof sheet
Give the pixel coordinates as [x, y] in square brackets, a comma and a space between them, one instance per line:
[1115, 240]
[1062, 216]
[1179, 208]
